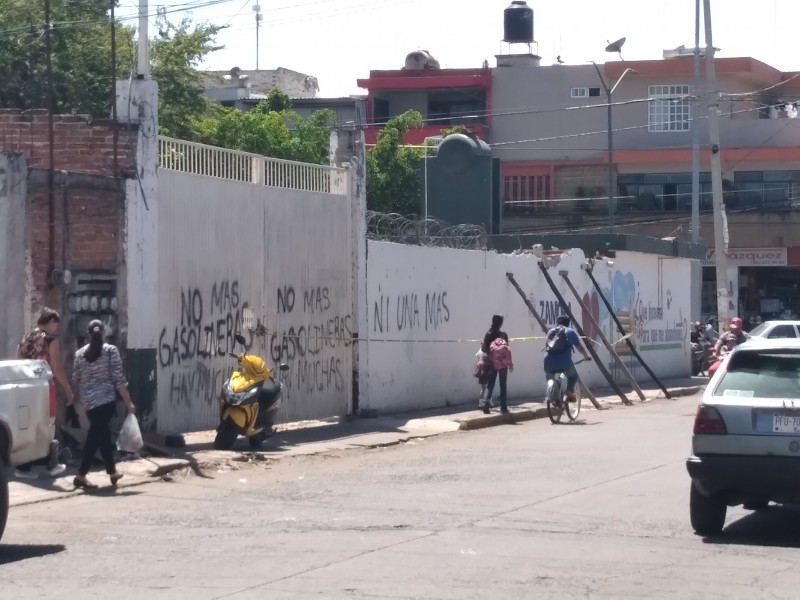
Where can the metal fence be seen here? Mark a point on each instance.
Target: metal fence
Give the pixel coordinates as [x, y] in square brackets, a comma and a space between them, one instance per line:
[393, 227]
[213, 161]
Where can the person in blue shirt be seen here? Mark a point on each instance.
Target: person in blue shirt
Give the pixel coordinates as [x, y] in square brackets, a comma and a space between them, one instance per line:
[561, 362]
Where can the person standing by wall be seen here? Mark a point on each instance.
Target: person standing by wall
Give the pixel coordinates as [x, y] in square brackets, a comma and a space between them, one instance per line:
[98, 376]
[495, 345]
[42, 344]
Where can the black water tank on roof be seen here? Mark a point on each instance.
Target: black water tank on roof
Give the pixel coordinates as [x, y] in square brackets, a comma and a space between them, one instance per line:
[518, 23]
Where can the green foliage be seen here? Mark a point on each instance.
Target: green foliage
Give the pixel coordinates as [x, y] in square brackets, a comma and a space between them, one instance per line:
[175, 54]
[394, 180]
[81, 55]
[279, 134]
[83, 79]
[462, 129]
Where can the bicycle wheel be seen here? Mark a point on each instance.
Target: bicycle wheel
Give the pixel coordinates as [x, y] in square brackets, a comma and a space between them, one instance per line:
[555, 402]
[574, 408]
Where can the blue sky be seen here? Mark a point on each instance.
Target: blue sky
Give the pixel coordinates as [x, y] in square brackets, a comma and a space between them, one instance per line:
[339, 41]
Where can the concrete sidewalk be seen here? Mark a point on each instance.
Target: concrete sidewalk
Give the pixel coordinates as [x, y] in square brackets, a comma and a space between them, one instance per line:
[310, 438]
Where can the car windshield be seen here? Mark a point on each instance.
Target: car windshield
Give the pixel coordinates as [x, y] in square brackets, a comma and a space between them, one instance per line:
[768, 374]
[759, 330]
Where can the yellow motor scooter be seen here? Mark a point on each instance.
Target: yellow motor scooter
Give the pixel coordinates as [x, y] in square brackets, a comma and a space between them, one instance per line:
[249, 401]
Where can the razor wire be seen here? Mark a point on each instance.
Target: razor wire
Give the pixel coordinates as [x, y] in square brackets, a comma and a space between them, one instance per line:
[419, 231]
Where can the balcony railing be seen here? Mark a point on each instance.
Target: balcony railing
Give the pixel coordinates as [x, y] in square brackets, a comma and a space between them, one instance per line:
[212, 161]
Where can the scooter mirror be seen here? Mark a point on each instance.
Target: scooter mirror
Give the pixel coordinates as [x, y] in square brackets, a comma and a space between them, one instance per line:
[221, 351]
[284, 367]
[240, 339]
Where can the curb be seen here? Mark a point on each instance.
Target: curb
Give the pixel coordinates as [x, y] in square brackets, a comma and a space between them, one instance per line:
[682, 391]
[501, 419]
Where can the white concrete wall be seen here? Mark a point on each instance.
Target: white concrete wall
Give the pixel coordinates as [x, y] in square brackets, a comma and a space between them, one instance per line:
[13, 250]
[272, 264]
[428, 307]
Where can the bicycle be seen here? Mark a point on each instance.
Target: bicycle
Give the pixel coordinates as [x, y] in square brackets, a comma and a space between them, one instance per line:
[556, 400]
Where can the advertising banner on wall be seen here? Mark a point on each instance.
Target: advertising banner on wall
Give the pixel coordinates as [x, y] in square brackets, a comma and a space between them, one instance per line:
[751, 257]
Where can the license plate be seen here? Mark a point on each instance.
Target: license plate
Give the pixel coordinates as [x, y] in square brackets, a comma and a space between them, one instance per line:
[786, 423]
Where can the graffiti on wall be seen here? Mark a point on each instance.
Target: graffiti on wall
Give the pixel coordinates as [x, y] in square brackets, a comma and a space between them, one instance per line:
[209, 318]
[311, 341]
[410, 311]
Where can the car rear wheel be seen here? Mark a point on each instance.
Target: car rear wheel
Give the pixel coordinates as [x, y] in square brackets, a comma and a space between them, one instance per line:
[3, 495]
[706, 513]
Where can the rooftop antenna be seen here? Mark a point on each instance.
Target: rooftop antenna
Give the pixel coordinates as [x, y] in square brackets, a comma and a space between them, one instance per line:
[259, 18]
[616, 47]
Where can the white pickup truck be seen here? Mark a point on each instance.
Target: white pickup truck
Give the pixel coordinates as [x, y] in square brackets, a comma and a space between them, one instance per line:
[27, 419]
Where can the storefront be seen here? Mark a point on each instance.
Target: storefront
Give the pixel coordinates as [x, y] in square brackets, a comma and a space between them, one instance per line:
[764, 284]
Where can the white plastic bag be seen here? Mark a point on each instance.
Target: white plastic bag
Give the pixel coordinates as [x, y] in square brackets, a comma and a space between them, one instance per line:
[130, 436]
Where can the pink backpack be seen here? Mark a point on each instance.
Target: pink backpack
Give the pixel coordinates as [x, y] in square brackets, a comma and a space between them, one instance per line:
[500, 354]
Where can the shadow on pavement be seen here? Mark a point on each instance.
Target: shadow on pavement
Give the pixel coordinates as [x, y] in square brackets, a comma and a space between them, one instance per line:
[11, 553]
[777, 526]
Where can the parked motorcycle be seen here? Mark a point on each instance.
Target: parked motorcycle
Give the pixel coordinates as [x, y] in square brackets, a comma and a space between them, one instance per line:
[249, 401]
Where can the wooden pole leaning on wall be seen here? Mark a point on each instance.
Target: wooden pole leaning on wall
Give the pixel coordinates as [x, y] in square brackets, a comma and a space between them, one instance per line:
[603, 339]
[543, 325]
[624, 335]
[589, 347]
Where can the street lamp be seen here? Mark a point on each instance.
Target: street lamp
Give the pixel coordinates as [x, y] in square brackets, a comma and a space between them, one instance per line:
[609, 92]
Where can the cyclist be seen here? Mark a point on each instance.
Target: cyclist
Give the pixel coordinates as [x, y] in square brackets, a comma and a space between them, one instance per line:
[562, 340]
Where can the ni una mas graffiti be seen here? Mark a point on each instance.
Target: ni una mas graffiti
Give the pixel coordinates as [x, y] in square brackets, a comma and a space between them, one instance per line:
[313, 331]
[410, 311]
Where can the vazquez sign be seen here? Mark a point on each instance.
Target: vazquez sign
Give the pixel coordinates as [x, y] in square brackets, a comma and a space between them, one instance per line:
[752, 257]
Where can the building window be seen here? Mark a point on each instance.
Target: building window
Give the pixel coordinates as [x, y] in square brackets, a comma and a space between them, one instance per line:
[585, 92]
[526, 194]
[669, 108]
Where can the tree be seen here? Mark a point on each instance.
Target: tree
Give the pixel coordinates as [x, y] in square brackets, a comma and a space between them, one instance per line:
[394, 178]
[272, 128]
[80, 38]
[462, 129]
[176, 53]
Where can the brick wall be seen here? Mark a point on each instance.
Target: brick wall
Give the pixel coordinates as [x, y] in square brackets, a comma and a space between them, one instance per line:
[87, 228]
[80, 145]
[87, 197]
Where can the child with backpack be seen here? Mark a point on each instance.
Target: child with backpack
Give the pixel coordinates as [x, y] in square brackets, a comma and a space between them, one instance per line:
[495, 346]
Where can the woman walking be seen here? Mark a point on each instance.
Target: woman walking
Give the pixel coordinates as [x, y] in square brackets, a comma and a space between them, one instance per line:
[98, 376]
[495, 345]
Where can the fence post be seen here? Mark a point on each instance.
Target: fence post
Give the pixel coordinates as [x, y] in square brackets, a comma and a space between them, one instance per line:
[257, 166]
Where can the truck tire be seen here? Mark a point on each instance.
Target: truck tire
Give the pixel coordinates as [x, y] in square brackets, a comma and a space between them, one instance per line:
[707, 513]
[3, 496]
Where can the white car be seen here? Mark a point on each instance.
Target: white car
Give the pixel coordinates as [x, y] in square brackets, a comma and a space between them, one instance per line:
[27, 419]
[776, 329]
[746, 442]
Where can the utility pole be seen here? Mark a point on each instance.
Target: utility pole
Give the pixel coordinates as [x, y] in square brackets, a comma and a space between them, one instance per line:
[143, 49]
[51, 136]
[696, 130]
[720, 247]
[610, 141]
[259, 18]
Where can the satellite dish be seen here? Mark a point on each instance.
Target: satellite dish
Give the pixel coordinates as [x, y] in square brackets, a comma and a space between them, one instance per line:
[616, 46]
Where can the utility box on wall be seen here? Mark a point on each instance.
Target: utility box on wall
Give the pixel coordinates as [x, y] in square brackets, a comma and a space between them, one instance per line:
[463, 183]
[93, 296]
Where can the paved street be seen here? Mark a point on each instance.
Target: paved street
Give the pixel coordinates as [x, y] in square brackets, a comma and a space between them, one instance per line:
[529, 510]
